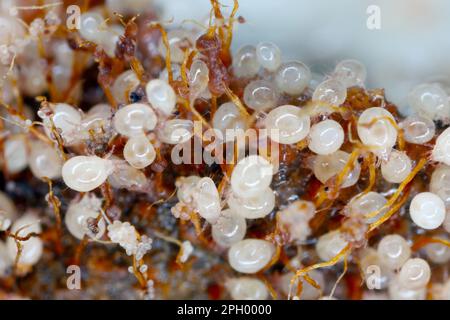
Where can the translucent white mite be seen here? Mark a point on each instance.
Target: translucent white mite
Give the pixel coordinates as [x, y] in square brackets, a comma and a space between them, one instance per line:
[250, 255]
[139, 152]
[427, 210]
[308, 291]
[110, 37]
[331, 91]
[97, 119]
[198, 77]
[68, 120]
[229, 228]
[376, 131]
[32, 248]
[161, 96]
[350, 73]
[418, 129]
[289, 124]
[260, 95]
[268, 55]
[253, 207]
[251, 176]
[293, 77]
[441, 150]
[368, 259]
[85, 173]
[78, 215]
[361, 205]
[414, 274]
[207, 200]
[176, 72]
[134, 119]
[95, 29]
[326, 137]
[228, 117]
[245, 288]
[125, 176]
[295, 219]
[328, 166]
[437, 252]
[124, 84]
[179, 40]
[431, 100]
[44, 160]
[91, 26]
[397, 167]
[245, 62]
[399, 292]
[393, 251]
[15, 153]
[440, 183]
[184, 187]
[330, 244]
[176, 131]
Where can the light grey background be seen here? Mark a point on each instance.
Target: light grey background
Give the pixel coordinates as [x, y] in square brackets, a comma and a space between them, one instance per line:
[412, 45]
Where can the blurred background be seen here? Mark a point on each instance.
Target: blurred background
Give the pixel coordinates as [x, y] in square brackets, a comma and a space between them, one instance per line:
[411, 46]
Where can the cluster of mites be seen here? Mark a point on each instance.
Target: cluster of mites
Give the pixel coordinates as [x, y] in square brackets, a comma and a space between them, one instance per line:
[321, 128]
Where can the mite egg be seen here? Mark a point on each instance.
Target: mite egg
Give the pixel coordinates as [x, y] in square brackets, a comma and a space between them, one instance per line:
[228, 117]
[245, 288]
[260, 95]
[376, 130]
[414, 274]
[44, 160]
[293, 77]
[427, 210]
[139, 152]
[67, 119]
[161, 96]
[418, 129]
[78, 215]
[328, 166]
[441, 150]
[268, 55]
[393, 251]
[326, 137]
[254, 207]
[250, 255]
[431, 100]
[330, 244]
[134, 119]
[397, 167]
[32, 248]
[440, 183]
[330, 91]
[176, 131]
[350, 73]
[251, 176]
[85, 173]
[245, 62]
[15, 153]
[287, 124]
[229, 228]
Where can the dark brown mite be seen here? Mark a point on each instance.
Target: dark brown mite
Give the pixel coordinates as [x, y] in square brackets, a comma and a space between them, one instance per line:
[210, 46]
